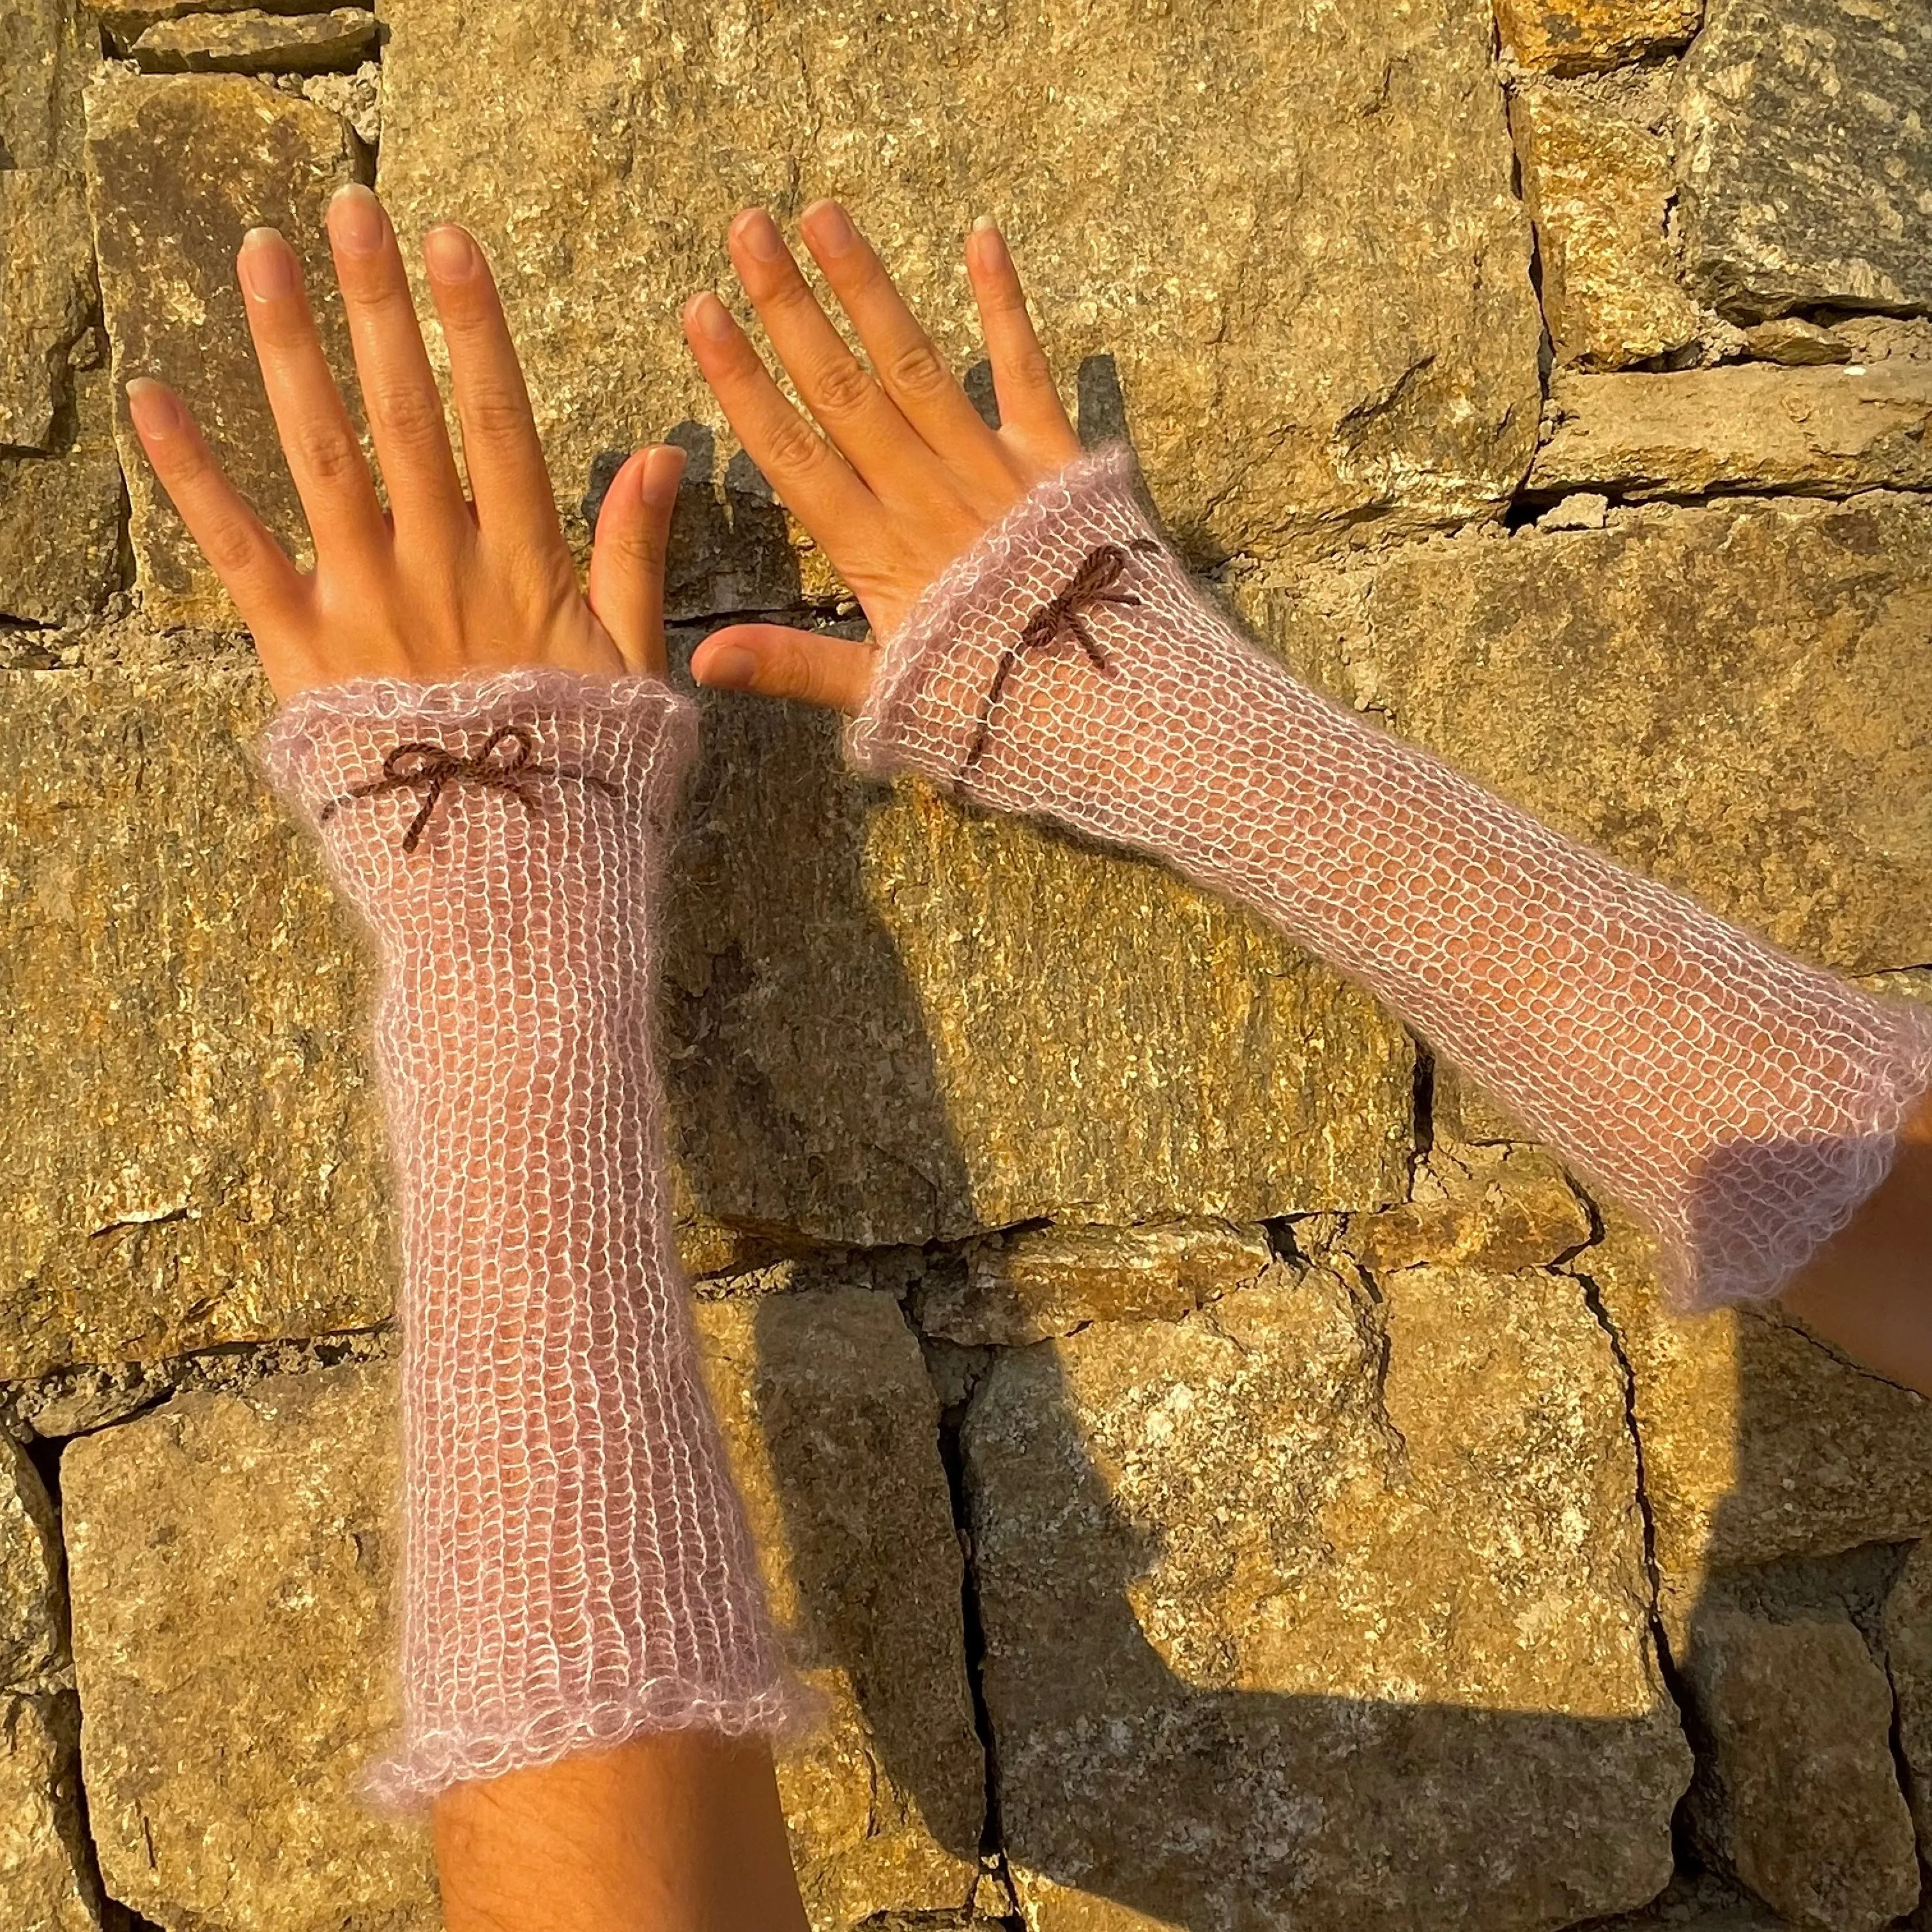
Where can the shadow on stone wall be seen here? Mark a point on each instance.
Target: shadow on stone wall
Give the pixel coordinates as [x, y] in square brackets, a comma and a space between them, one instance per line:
[1202, 1807]
[1110, 1772]
[1212, 1807]
[1796, 1617]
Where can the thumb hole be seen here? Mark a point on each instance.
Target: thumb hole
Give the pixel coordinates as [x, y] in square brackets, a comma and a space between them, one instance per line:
[775, 662]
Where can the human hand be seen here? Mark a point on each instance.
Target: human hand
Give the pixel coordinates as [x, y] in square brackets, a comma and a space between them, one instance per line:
[907, 476]
[441, 584]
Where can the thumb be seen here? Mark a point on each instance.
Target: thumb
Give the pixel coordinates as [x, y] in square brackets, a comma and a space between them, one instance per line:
[627, 557]
[775, 662]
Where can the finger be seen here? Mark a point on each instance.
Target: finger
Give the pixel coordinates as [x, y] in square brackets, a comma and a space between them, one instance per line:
[1029, 406]
[775, 662]
[861, 419]
[812, 479]
[627, 559]
[331, 476]
[255, 570]
[911, 371]
[507, 476]
[399, 392]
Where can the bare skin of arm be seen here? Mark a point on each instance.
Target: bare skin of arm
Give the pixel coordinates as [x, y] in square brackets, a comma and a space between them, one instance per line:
[1869, 1292]
[899, 475]
[678, 1832]
[682, 1831]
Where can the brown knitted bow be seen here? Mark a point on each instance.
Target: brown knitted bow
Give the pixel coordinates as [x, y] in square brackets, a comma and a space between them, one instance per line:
[1091, 584]
[419, 763]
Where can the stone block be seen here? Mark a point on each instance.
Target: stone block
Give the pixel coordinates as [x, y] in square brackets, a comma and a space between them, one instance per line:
[45, 1885]
[33, 1640]
[1589, 36]
[231, 1560]
[251, 41]
[833, 1430]
[1731, 699]
[48, 48]
[194, 1156]
[47, 295]
[1797, 344]
[1519, 1211]
[1908, 1663]
[127, 20]
[1597, 182]
[1312, 1611]
[888, 1020]
[1826, 431]
[44, 1882]
[60, 511]
[179, 167]
[1796, 1792]
[1759, 1442]
[1805, 147]
[1306, 296]
[1037, 1281]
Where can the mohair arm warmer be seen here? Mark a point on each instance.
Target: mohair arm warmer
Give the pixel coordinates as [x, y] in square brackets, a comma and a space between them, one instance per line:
[1741, 1103]
[576, 1565]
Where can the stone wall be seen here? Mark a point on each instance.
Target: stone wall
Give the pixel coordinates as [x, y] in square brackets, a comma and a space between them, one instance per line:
[1219, 1474]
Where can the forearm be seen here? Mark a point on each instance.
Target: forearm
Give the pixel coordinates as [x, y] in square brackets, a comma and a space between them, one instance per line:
[1743, 1104]
[576, 1566]
[681, 1832]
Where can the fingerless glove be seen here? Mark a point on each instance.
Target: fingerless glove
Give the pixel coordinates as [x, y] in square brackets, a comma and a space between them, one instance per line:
[1741, 1103]
[576, 1566]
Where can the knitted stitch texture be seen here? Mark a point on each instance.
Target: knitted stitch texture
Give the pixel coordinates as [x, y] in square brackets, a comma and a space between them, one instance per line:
[577, 1567]
[1741, 1103]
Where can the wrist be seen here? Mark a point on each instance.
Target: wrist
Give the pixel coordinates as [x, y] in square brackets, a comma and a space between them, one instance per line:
[392, 771]
[945, 675]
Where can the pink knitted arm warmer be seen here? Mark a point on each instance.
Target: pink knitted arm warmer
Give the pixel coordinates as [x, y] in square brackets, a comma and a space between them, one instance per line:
[576, 1565]
[1741, 1103]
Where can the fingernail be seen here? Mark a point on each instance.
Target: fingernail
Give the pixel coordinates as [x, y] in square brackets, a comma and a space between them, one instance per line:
[713, 319]
[155, 411]
[355, 219]
[452, 256]
[728, 668]
[267, 265]
[832, 226]
[661, 472]
[760, 234]
[985, 242]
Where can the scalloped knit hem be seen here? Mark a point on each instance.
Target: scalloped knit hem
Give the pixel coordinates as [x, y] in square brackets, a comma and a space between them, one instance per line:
[1696, 1284]
[405, 1782]
[286, 753]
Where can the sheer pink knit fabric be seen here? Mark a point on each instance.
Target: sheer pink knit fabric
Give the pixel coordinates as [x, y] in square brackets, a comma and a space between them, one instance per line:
[576, 1567]
[1741, 1103]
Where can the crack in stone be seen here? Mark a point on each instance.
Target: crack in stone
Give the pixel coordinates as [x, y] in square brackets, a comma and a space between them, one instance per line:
[993, 1861]
[1536, 501]
[1593, 1301]
[1674, 1685]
